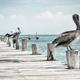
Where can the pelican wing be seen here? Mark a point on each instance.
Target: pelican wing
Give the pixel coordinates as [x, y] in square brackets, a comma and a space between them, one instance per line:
[68, 33]
[65, 38]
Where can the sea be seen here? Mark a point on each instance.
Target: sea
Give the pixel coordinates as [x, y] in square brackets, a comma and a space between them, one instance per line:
[41, 42]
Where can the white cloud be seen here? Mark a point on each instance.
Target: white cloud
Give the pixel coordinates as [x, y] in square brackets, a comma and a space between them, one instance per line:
[49, 15]
[42, 1]
[45, 15]
[59, 13]
[55, 23]
[51, 21]
[19, 17]
[17, 20]
[11, 22]
[1, 17]
[45, 22]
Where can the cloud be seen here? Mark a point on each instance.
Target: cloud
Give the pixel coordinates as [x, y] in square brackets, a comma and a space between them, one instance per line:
[60, 13]
[20, 17]
[44, 22]
[55, 22]
[11, 22]
[1, 17]
[17, 19]
[45, 15]
[49, 15]
[42, 1]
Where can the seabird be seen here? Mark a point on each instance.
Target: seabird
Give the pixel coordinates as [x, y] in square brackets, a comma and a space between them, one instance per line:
[8, 35]
[67, 37]
[13, 34]
[16, 34]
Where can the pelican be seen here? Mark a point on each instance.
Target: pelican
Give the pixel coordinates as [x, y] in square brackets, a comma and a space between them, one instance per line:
[8, 35]
[16, 34]
[16, 37]
[67, 37]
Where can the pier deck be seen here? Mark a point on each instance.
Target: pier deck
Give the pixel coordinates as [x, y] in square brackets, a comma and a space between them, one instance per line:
[21, 65]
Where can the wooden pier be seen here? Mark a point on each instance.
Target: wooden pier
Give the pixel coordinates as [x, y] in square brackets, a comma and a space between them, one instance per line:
[20, 65]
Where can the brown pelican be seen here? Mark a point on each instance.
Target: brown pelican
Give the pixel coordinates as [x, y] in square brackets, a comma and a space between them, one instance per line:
[16, 34]
[13, 34]
[16, 37]
[8, 35]
[8, 38]
[67, 37]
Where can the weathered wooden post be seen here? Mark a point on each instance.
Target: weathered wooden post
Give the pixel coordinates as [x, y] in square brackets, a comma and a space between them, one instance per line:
[50, 56]
[72, 59]
[24, 44]
[11, 42]
[2, 38]
[17, 44]
[34, 49]
[8, 42]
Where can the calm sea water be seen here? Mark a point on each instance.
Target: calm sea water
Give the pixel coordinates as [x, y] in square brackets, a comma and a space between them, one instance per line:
[60, 52]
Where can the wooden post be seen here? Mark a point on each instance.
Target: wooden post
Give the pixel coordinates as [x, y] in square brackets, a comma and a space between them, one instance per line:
[2, 38]
[24, 44]
[72, 59]
[34, 49]
[50, 52]
[11, 41]
[8, 42]
[17, 44]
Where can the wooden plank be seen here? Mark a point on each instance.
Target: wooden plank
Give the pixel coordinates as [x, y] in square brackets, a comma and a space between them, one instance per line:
[19, 65]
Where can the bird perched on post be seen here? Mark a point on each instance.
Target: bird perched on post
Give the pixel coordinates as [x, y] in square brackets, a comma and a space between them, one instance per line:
[16, 38]
[67, 37]
[16, 34]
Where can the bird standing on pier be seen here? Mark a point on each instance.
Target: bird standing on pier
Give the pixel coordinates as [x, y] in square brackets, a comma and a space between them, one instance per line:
[16, 34]
[8, 35]
[16, 37]
[67, 37]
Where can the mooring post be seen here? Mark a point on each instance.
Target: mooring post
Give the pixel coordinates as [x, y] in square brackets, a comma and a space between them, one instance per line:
[50, 56]
[11, 40]
[1, 38]
[4, 39]
[24, 44]
[72, 59]
[17, 44]
[34, 49]
[8, 42]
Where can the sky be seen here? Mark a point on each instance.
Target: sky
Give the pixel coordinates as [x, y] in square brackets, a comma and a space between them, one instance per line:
[41, 16]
